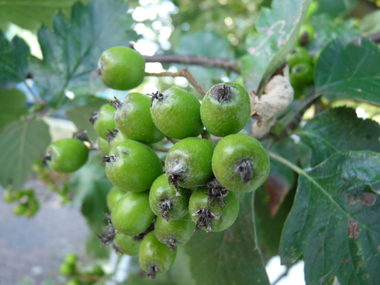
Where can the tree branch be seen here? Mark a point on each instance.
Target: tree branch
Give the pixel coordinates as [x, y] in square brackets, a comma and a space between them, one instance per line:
[227, 64]
[185, 73]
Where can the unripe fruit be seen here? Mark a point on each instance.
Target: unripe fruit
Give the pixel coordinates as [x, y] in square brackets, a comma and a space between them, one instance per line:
[306, 34]
[127, 244]
[73, 281]
[67, 269]
[66, 155]
[188, 162]
[176, 113]
[132, 118]
[114, 137]
[215, 218]
[113, 196]
[132, 215]
[165, 203]
[9, 197]
[103, 146]
[20, 209]
[103, 120]
[98, 270]
[225, 109]
[33, 207]
[121, 68]
[301, 75]
[71, 258]
[174, 232]
[298, 55]
[240, 163]
[132, 166]
[155, 256]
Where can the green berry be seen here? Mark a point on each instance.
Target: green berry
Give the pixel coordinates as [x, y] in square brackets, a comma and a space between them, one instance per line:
[33, 207]
[154, 256]
[113, 196]
[114, 137]
[225, 109]
[73, 281]
[121, 68]
[215, 218]
[306, 34]
[103, 120]
[298, 55]
[165, 203]
[132, 118]
[9, 196]
[98, 270]
[132, 166]
[240, 163]
[127, 244]
[71, 258]
[103, 146]
[20, 209]
[66, 155]
[174, 232]
[188, 162]
[176, 113]
[132, 214]
[67, 269]
[301, 75]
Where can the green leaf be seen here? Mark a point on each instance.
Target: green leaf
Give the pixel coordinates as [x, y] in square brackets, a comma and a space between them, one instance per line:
[21, 142]
[278, 31]
[30, 14]
[370, 24]
[231, 256]
[339, 129]
[335, 221]
[328, 29]
[72, 50]
[336, 7]
[208, 44]
[80, 115]
[350, 71]
[91, 187]
[274, 199]
[13, 61]
[11, 106]
[93, 249]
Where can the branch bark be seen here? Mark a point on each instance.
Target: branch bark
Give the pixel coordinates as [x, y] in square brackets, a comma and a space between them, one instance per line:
[227, 64]
[183, 72]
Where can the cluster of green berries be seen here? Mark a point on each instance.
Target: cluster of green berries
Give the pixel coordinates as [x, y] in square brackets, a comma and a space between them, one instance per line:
[53, 180]
[70, 268]
[156, 206]
[300, 62]
[27, 204]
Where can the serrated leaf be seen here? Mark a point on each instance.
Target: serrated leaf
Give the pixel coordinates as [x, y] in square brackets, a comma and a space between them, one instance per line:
[11, 106]
[208, 44]
[231, 256]
[13, 61]
[72, 50]
[350, 71]
[326, 30]
[31, 14]
[91, 186]
[278, 29]
[336, 7]
[335, 221]
[339, 129]
[80, 115]
[370, 24]
[21, 142]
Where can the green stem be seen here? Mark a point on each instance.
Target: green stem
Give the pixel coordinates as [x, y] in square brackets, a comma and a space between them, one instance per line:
[206, 135]
[287, 163]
